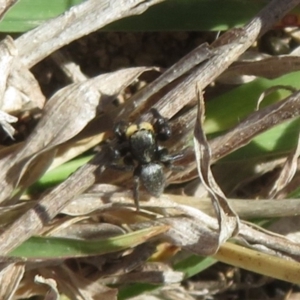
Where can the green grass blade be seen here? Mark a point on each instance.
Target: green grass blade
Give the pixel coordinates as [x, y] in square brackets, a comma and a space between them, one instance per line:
[191, 15]
[190, 266]
[54, 247]
[168, 15]
[27, 14]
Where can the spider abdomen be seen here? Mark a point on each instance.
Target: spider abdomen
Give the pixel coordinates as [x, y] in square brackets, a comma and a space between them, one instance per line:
[153, 178]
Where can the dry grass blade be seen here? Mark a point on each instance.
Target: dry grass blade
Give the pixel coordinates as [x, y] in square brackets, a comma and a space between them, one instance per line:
[287, 173]
[254, 124]
[269, 242]
[188, 62]
[5, 6]
[227, 218]
[52, 293]
[252, 260]
[87, 224]
[226, 50]
[80, 20]
[10, 278]
[78, 287]
[271, 67]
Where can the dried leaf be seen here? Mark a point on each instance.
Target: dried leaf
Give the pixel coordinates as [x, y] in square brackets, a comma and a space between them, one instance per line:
[287, 173]
[75, 286]
[5, 120]
[190, 229]
[17, 85]
[10, 278]
[227, 218]
[274, 89]
[86, 231]
[153, 273]
[269, 242]
[71, 70]
[52, 293]
[271, 67]
[7, 54]
[23, 86]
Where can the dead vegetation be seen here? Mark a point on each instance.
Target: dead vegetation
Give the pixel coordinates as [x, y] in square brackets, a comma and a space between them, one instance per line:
[83, 238]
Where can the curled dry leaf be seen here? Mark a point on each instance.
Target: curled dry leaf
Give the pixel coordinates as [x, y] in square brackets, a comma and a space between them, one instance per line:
[10, 212]
[287, 173]
[25, 89]
[227, 218]
[19, 89]
[52, 293]
[272, 90]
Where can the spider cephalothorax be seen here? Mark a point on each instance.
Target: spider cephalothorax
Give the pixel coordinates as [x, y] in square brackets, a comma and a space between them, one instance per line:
[138, 144]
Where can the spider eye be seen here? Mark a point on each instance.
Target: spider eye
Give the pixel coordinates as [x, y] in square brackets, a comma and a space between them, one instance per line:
[146, 126]
[120, 130]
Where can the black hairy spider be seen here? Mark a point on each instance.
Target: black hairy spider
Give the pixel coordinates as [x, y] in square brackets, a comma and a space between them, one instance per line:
[138, 144]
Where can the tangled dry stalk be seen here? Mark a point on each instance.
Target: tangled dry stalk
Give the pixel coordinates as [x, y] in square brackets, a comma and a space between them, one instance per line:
[62, 128]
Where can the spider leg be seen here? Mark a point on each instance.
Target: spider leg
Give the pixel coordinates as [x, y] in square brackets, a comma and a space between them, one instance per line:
[119, 152]
[125, 168]
[136, 193]
[167, 159]
[161, 126]
[120, 130]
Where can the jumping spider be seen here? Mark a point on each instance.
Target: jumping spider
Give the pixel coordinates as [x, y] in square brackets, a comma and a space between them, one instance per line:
[138, 145]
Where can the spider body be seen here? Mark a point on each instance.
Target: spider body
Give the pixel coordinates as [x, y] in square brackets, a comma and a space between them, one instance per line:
[138, 144]
[152, 177]
[143, 144]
